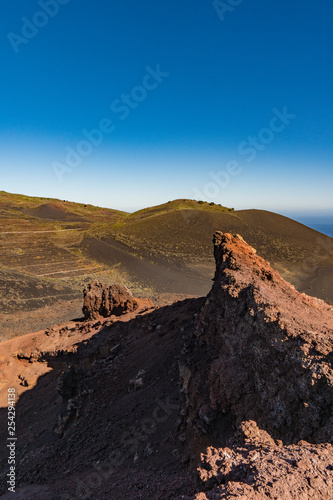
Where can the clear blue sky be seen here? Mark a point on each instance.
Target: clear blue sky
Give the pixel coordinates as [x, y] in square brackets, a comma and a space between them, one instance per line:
[191, 102]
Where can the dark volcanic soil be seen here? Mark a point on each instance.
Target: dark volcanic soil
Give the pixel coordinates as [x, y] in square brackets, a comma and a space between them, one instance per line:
[161, 275]
[52, 211]
[23, 322]
[318, 284]
[225, 396]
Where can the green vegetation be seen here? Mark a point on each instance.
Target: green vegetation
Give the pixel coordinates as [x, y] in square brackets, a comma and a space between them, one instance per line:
[171, 206]
[14, 202]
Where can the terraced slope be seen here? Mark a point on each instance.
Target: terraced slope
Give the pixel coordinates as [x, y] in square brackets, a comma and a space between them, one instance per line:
[40, 260]
[40, 237]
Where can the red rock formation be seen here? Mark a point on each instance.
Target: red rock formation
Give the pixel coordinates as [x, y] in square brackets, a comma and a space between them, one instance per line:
[294, 472]
[101, 300]
[261, 351]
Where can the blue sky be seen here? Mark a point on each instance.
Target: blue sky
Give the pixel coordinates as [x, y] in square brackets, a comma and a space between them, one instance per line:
[171, 100]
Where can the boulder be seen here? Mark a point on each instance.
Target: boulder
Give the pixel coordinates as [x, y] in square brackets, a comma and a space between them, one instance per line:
[101, 300]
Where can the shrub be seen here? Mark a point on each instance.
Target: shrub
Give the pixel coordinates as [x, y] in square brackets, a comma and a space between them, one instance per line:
[201, 202]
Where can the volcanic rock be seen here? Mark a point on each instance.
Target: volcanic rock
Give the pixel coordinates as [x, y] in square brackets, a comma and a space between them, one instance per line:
[294, 472]
[101, 300]
[261, 351]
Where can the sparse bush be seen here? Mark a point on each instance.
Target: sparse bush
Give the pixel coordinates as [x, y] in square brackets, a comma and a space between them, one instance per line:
[201, 202]
[212, 203]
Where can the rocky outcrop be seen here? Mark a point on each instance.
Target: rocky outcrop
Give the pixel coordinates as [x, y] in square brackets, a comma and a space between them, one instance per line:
[258, 468]
[261, 351]
[101, 300]
[257, 384]
[294, 472]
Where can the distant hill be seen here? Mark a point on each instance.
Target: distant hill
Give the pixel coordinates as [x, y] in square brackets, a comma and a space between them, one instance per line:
[181, 232]
[50, 248]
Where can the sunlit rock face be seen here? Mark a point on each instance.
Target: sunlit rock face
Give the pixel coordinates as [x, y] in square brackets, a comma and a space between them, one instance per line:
[260, 351]
[101, 300]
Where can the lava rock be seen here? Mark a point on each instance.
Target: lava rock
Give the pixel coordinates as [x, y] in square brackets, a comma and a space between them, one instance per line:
[101, 300]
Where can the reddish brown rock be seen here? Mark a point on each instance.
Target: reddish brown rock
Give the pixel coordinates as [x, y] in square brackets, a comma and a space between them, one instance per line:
[261, 351]
[101, 300]
[266, 472]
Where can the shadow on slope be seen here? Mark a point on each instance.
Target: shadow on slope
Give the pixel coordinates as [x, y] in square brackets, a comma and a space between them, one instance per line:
[109, 411]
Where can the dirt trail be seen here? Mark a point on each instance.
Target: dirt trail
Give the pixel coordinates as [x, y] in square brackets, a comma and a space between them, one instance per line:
[68, 271]
[41, 231]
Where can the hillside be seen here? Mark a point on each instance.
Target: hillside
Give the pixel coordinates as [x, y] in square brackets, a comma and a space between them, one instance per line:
[51, 248]
[179, 232]
[42, 269]
[224, 396]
